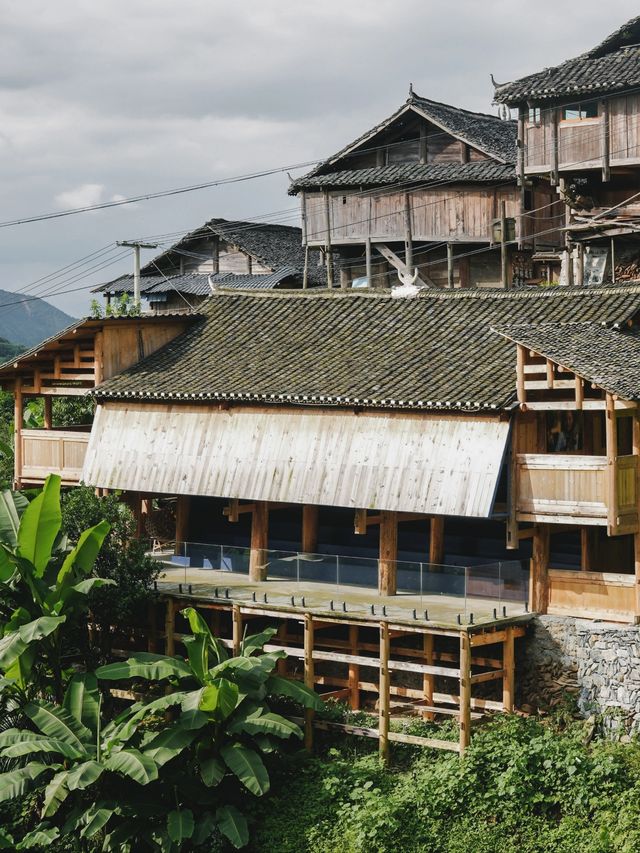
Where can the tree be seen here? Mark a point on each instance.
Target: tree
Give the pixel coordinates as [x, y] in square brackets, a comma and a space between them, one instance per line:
[146, 780]
[43, 585]
[122, 559]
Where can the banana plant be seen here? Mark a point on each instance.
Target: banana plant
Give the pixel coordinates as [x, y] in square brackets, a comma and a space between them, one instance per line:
[221, 723]
[41, 588]
[69, 758]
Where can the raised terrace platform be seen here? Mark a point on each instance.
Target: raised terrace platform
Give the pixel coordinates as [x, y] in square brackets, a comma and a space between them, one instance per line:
[398, 656]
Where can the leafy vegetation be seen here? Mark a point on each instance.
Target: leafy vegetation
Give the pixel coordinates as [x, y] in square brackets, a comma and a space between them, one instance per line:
[9, 350]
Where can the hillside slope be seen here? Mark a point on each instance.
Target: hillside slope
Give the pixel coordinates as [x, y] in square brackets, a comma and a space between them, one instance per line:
[29, 321]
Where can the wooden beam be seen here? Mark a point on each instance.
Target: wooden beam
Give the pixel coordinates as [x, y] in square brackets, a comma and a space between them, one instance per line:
[408, 239]
[327, 240]
[513, 539]
[18, 417]
[233, 510]
[465, 691]
[450, 265]
[308, 679]
[504, 251]
[400, 265]
[428, 680]
[387, 564]
[98, 360]
[259, 542]
[509, 669]
[48, 413]
[611, 434]
[540, 569]
[579, 387]
[555, 176]
[586, 563]
[384, 695]
[236, 617]
[436, 540]
[354, 670]
[182, 520]
[310, 528]
[604, 141]
[549, 371]
[368, 266]
[521, 358]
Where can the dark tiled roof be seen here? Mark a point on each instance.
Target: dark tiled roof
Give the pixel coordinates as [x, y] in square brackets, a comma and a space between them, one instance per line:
[197, 284]
[367, 349]
[612, 65]
[274, 246]
[481, 171]
[487, 133]
[610, 358]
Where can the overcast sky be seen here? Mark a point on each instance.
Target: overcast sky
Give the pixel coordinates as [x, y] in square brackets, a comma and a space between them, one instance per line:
[104, 100]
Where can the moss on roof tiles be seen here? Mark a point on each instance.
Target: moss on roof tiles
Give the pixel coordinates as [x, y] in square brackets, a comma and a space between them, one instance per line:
[368, 349]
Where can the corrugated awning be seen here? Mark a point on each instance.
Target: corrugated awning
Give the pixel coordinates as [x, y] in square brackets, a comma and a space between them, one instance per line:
[445, 465]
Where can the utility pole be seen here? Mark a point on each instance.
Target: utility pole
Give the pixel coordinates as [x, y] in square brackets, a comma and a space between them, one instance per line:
[136, 245]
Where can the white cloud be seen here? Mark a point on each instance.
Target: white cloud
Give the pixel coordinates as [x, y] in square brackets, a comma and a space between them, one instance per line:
[83, 196]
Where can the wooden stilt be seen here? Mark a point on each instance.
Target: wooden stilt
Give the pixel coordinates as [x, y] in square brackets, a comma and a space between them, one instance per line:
[384, 694]
[585, 549]
[354, 670]
[169, 640]
[508, 665]
[182, 521]
[540, 569]
[465, 691]
[259, 542]
[236, 616]
[428, 680]
[308, 679]
[18, 416]
[387, 564]
[436, 541]
[48, 412]
[309, 528]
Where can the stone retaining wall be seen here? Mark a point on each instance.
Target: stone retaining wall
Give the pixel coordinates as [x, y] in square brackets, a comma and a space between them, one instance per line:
[597, 663]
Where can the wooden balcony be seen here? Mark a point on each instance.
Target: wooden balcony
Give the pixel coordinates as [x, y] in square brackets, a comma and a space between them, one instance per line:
[564, 489]
[593, 595]
[52, 451]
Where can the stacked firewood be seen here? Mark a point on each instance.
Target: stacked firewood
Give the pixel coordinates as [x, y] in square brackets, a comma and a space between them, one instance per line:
[628, 270]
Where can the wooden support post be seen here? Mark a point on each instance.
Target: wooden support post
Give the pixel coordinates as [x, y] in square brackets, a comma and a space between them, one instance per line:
[305, 274]
[18, 416]
[611, 433]
[585, 549]
[309, 679]
[354, 670]
[384, 693]
[540, 569]
[613, 260]
[513, 541]
[259, 542]
[504, 250]
[310, 528]
[579, 271]
[449, 264]
[98, 358]
[344, 278]
[369, 268]
[215, 256]
[579, 392]
[465, 691]
[509, 669]
[327, 240]
[236, 617]
[408, 239]
[387, 564]
[428, 680]
[436, 540]
[521, 358]
[182, 520]
[169, 640]
[604, 141]
[48, 412]
[522, 223]
[555, 171]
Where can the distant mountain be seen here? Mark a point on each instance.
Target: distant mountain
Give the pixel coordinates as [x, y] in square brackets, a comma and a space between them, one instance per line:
[28, 321]
[9, 350]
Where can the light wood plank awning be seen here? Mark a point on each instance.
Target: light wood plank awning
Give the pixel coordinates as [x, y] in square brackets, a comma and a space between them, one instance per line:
[432, 464]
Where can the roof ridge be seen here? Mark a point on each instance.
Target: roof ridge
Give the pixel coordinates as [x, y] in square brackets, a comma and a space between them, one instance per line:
[415, 96]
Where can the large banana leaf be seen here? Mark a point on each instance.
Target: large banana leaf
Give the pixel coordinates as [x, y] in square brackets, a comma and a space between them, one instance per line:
[169, 743]
[39, 526]
[12, 505]
[233, 825]
[219, 698]
[268, 724]
[135, 765]
[255, 642]
[247, 766]
[180, 825]
[279, 686]
[84, 555]
[14, 744]
[83, 775]
[55, 794]
[82, 700]
[18, 782]
[145, 665]
[58, 723]
[13, 644]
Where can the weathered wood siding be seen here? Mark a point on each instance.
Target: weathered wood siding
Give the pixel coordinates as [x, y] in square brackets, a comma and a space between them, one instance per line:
[126, 345]
[445, 465]
[592, 595]
[580, 143]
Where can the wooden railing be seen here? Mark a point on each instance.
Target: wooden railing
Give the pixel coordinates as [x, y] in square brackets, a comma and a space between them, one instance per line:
[49, 451]
[593, 595]
[557, 488]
